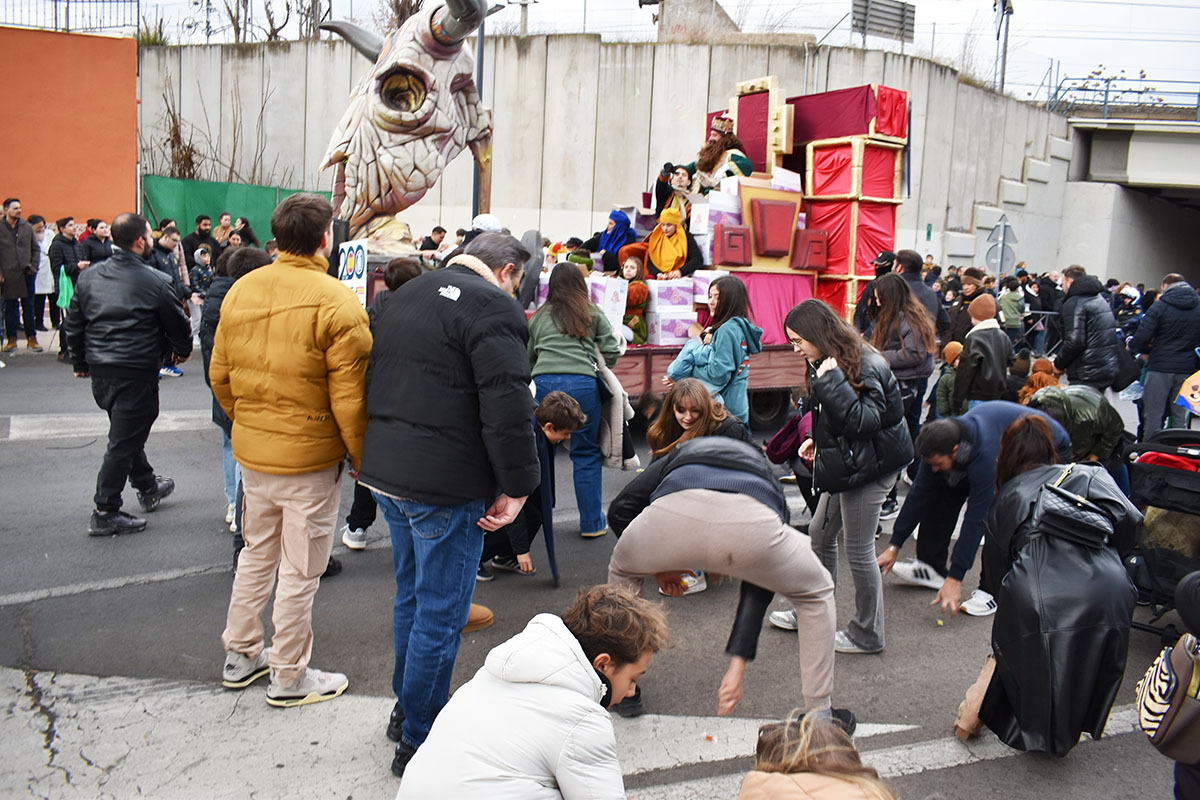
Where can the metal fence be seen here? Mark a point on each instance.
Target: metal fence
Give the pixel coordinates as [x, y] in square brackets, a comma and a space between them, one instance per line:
[71, 15]
[1122, 95]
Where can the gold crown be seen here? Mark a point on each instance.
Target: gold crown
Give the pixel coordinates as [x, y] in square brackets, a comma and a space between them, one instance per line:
[723, 124]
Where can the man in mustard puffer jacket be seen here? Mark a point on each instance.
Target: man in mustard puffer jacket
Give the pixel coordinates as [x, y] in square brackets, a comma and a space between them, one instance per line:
[289, 367]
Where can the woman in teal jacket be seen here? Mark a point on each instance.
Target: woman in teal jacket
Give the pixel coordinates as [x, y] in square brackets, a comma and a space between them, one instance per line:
[720, 358]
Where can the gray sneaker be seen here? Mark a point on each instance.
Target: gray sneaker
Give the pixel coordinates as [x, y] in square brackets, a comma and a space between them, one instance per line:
[354, 538]
[314, 686]
[786, 620]
[240, 670]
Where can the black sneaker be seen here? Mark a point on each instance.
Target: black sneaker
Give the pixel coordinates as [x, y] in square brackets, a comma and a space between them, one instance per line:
[890, 510]
[484, 573]
[844, 719]
[404, 754]
[162, 489]
[509, 564]
[632, 706]
[395, 722]
[332, 568]
[113, 523]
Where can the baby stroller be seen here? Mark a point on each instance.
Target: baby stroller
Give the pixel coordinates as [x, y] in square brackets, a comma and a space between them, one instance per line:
[1164, 472]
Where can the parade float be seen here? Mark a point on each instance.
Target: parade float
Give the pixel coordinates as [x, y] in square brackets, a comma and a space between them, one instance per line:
[816, 208]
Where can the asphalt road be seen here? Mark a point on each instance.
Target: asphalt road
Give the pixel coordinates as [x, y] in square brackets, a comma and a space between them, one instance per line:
[152, 605]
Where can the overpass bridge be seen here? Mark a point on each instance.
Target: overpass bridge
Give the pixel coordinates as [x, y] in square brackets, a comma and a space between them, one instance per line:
[1161, 157]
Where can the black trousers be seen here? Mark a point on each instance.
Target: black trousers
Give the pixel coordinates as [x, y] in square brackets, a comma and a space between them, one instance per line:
[1187, 781]
[938, 522]
[132, 406]
[363, 510]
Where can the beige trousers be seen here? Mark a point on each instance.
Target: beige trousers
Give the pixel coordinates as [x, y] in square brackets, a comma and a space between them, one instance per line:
[288, 524]
[735, 535]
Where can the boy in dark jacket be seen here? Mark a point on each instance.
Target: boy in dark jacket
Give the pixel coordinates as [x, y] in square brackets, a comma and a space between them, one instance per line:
[983, 365]
[554, 420]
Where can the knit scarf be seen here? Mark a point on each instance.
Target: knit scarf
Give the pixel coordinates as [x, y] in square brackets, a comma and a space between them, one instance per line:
[668, 252]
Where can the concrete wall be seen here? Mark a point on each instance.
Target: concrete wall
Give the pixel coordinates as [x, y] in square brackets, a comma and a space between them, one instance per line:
[1122, 233]
[583, 125]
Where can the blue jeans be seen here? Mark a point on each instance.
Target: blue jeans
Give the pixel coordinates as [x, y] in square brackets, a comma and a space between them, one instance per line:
[585, 445]
[20, 311]
[435, 551]
[231, 469]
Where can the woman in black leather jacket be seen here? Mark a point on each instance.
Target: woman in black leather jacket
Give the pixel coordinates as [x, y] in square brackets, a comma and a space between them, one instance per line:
[1064, 601]
[859, 444]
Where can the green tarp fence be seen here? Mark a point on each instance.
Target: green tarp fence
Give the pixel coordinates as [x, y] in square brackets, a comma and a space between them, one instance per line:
[183, 201]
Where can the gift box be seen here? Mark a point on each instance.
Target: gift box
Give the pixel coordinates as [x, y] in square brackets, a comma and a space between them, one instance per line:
[701, 280]
[669, 328]
[673, 295]
[610, 295]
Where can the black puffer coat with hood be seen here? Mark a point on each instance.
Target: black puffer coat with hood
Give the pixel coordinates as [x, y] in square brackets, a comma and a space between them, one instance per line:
[1090, 342]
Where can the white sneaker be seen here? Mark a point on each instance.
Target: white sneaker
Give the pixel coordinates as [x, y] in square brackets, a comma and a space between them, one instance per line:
[230, 514]
[693, 583]
[979, 604]
[784, 620]
[354, 538]
[915, 572]
[240, 671]
[314, 686]
[842, 643]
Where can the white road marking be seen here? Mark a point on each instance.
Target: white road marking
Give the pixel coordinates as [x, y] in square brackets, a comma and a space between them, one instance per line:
[24, 427]
[33, 596]
[891, 762]
[121, 736]
[653, 741]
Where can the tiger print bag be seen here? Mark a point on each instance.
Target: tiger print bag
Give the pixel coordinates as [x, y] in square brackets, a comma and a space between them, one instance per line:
[1168, 698]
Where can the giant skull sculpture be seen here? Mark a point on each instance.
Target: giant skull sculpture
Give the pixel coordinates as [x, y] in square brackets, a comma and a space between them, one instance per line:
[408, 118]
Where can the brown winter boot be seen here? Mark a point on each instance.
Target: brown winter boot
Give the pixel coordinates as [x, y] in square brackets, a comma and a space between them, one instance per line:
[10, 345]
[32, 344]
[479, 618]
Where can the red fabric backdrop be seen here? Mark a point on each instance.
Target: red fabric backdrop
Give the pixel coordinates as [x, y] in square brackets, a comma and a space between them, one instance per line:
[830, 115]
[833, 293]
[772, 296]
[879, 171]
[876, 232]
[891, 113]
[834, 216]
[832, 170]
[752, 127]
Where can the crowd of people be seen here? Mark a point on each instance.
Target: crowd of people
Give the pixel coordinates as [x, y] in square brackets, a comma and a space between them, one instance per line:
[448, 370]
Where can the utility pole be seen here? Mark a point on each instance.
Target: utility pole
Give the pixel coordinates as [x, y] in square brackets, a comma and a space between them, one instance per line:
[1004, 11]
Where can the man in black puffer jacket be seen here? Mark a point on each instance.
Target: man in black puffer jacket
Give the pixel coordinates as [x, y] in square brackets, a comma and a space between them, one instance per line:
[713, 503]
[122, 319]
[449, 453]
[1170, 333]
[1089, 339]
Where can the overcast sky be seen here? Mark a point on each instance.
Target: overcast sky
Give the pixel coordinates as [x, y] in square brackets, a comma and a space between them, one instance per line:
[1161, 37]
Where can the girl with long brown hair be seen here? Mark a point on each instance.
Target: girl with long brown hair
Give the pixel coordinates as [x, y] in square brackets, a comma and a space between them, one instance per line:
[902, 331]
[689, 412]
[564, 337]
[858, 446]
[721, 356]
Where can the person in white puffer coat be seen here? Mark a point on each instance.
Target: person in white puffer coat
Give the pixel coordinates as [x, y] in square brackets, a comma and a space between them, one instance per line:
[533, 723]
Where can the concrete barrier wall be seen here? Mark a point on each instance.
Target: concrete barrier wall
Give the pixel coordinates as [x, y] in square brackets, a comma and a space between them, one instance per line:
[582, 125]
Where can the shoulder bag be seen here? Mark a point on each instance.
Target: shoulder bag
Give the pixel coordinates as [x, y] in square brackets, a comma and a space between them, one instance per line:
[1168, 700]
[1066, 515]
